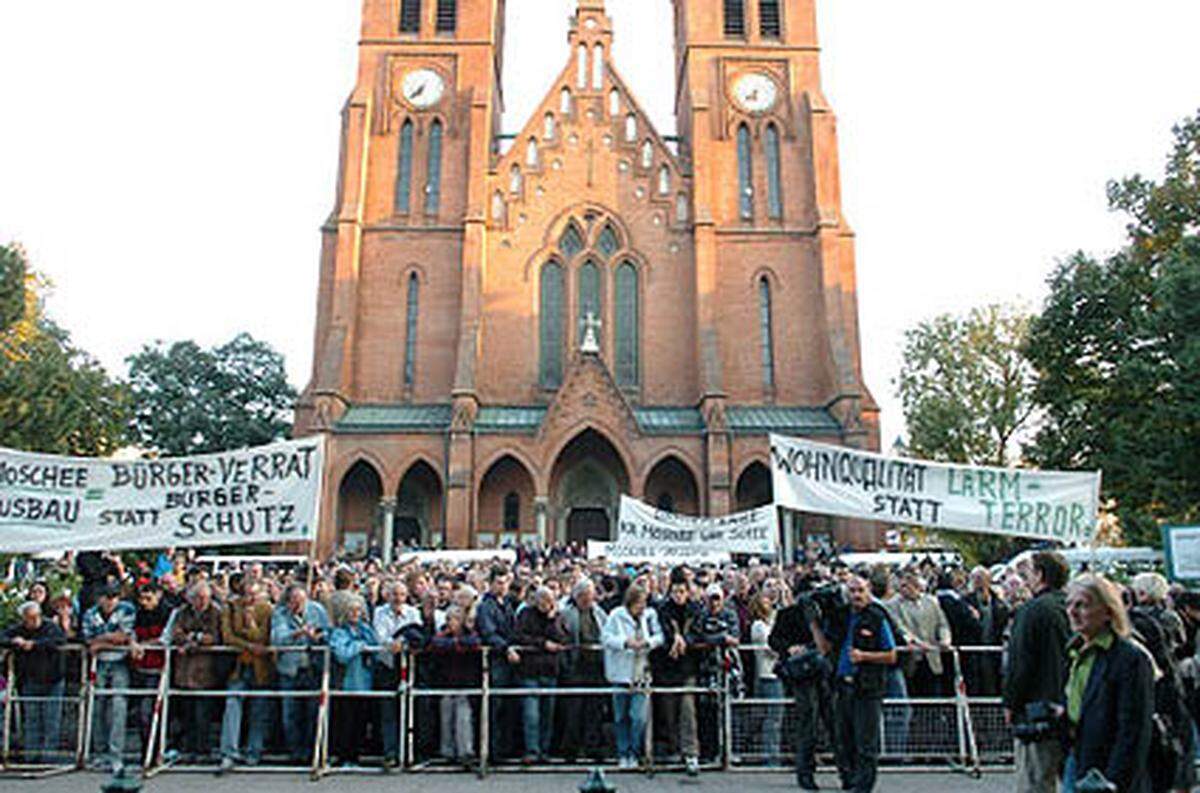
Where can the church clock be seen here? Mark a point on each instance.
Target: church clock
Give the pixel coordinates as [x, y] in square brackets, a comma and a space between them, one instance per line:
[423, 88]
[755, 92]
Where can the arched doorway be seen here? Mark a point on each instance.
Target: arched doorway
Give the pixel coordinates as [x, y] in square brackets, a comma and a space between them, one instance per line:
[754, 487]
[419, 508]
[671, 487]
[586, 484]
[506, 505]
[358, 516]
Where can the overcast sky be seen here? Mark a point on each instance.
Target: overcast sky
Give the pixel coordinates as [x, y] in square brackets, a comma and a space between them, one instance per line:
[168, 164]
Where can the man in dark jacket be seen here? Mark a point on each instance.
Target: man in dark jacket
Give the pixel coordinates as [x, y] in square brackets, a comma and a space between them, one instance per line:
[39, 668]
[497, 629]
[542, 638]
[675, 666]
[1037, 667]
[797, 631]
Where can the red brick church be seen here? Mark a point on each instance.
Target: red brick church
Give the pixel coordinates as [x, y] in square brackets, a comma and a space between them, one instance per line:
[513, 330]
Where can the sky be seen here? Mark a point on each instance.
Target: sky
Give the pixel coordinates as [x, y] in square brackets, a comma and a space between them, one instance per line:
[168, 164]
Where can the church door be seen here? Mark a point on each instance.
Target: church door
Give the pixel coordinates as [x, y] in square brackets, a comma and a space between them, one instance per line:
[587, 524]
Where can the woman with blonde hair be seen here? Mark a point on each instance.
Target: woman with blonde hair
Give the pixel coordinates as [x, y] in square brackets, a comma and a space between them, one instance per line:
[1109, 692]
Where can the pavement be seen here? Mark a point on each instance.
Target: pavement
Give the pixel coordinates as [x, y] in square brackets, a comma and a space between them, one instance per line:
[508, 782]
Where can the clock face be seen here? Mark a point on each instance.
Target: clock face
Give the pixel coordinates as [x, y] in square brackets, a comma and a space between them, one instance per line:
[755, 92]
[423, 88]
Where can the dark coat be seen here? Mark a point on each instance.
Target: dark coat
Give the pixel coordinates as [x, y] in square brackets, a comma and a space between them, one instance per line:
[1114, 730]
[793, 626]
[534, 629]
[44, 664]
[677, 620]
[1037, 652]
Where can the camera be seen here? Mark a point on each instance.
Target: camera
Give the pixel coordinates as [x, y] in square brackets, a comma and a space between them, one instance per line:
[1039, 723]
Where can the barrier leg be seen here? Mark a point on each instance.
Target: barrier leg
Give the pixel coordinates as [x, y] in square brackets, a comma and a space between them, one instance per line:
[649, 740]
[404, 694]
[320, 762]
[727, 724]
[154, 757]
[485, 717]
[81, 715]
[90, 683]
[407, 735]
[8, 708]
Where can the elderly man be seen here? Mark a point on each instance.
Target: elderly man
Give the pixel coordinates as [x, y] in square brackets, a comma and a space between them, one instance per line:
[246, 625]
[298, 622]
[542, 637]
[39, 668]
[583, 667]
[993, 622]
[196, 629]
[396, 622]
[928, 632]
[108, 630]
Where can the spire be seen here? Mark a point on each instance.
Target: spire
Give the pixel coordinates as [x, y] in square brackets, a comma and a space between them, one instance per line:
[591, 25]
[591, 5]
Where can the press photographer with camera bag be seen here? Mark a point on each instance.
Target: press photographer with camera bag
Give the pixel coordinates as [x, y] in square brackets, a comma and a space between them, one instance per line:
[801, 645]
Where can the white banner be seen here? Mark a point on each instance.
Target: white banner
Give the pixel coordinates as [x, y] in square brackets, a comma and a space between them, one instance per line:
[648, 534]
[265, 494]
[600, 549]
[835, 480]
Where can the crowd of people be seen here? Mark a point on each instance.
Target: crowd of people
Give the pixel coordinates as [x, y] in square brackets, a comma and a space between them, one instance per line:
[1094, 676]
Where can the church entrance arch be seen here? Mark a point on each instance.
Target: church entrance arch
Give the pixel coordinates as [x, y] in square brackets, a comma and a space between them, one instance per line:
[419, 507]
[672, 488]
[754, 487]
[506, 505]
[586, 484]
[359, 520]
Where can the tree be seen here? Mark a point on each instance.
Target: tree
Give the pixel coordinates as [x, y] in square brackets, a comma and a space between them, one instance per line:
[54, 397]
[188, 400]
[966, 388]
[13, 274]
[1117, 348]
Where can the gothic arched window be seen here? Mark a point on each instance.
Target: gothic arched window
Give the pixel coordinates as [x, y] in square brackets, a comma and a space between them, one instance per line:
[512, 512]
[625, 321]
[774, 181]
[564, 101]
[550, 325]
[410, 331]
[548, 126]
[588, 301]
[581, 70]
[514, 179]
[497, 207]
[735, 17]
[764, 326]
[433, 170]
[647, 154]
[404, 168]
[410, 16]
[571, 242]
[745, 174]
[531, 153]
[614, 103]
[681, 208]
[597, 67]
[664, 180]
[447, 16]
[630, 128]
[768, 19]
[608, 242]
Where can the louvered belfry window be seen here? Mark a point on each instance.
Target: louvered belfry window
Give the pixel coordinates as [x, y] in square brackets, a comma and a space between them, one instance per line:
[447, 16]
[410, 16]
[768, 19]
[735, 17]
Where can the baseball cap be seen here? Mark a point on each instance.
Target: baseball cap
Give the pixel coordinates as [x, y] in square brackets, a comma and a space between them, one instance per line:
[714, 590]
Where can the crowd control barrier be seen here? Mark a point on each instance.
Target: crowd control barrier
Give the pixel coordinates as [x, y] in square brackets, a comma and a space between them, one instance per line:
[100, 716]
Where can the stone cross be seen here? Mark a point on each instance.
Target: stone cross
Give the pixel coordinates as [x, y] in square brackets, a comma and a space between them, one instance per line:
[590, 343]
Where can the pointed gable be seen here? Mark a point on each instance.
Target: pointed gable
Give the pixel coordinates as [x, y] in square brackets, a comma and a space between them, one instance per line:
[589, 394]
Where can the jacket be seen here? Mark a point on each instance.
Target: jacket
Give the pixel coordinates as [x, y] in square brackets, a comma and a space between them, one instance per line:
[496, 624]
[618, 629]
[242, 627]
[43, 665]
[1037, 652]
[197, 667]
[455, 659]
[283, 624]
[148, 628]
[923, 619]
[534, 629]
[1114, 730]
[572, 657]
[793, 626]
[870, 680]
[352, 646]
[674, 620]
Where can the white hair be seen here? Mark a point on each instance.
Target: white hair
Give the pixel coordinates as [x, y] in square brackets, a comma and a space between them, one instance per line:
[28, 606]
[581, 586]
[1151, 586]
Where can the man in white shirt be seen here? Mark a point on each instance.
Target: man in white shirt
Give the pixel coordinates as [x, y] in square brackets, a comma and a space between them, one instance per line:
[391, 618]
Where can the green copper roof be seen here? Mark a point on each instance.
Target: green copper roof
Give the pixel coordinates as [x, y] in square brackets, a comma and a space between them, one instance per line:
[503, 418]
[395, 418]
[669, 421]
[756, 420]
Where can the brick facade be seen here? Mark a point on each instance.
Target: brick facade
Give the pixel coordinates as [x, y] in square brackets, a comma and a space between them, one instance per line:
[429, 437]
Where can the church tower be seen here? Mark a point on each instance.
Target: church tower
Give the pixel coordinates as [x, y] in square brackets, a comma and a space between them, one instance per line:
[513, 330]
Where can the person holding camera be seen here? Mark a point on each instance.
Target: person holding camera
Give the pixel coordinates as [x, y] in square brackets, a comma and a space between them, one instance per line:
[801, 645]
[1036, 674]
[867, 651]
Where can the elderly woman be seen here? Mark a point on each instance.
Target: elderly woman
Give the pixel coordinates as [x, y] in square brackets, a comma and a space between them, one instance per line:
[353, 643]
[542, 637]
[629, 634]
[1110, 690]
[457, 666]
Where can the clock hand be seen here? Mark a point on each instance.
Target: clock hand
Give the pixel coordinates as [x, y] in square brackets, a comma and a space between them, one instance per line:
[420, 90]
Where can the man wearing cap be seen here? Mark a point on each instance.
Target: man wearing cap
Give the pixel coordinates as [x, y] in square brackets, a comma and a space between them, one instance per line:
[717, 630]
[108, 630]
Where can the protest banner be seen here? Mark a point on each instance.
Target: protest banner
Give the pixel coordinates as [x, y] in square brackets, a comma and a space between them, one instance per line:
[648, 534]
[1181, 544]
[835, 480]
[265, 494]
[619, 553]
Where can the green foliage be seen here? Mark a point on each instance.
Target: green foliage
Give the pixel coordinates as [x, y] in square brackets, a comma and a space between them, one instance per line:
[191, 401]
[59, 580]
[1117, 348]
[965, 387]
[13, 272]
[54, 397]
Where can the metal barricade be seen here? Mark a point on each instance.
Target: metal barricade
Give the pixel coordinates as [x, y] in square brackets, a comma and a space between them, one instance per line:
[992, 733]
[43, 724]
[374, 698]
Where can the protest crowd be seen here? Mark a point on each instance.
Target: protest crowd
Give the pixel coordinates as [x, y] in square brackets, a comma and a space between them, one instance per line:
[1092, 675]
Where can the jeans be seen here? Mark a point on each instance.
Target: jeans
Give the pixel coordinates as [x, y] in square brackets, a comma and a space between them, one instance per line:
[299, 714]
[679, 719]
[629, 723]
[388, 680]
[502, 726]
[897, 717]
[231, 724]
[858, 721]
[771, 688]
[108, 728]
[539, 716]
[1069, 773]
[42, 720]
[458, 734]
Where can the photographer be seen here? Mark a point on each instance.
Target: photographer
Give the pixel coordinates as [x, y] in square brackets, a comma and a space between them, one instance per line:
[798, 639]
[1037, 674]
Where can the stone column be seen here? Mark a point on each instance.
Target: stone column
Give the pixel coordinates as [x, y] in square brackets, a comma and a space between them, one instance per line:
[541, 514]
[388, 507]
